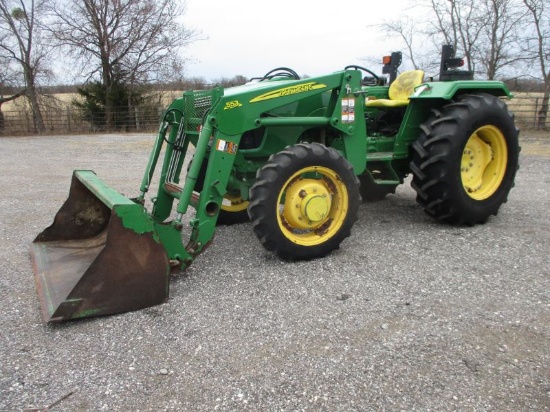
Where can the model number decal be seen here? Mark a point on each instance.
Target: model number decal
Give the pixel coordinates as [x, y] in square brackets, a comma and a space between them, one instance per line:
[232, 104]
[287, 91]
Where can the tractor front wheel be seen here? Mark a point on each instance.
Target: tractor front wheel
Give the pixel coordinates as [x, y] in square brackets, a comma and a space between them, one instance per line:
[304, 202]
[465, 160]
[233, 210]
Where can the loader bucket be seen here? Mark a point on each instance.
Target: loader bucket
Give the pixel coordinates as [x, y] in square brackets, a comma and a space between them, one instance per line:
[100, 256]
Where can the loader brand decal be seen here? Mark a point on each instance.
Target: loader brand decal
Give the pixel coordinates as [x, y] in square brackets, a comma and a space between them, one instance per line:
[287, 91]
[232, 104]
[225, 146]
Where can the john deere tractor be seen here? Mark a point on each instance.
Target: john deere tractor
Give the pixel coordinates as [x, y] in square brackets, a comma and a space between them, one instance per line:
[295, 156]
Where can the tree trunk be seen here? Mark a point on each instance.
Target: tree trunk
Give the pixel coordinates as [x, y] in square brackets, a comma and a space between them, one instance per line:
[37, 118]
[32, 95]
[108, 87]
[109, 108]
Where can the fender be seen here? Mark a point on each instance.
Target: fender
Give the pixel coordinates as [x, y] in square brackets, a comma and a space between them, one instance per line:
[447, 90]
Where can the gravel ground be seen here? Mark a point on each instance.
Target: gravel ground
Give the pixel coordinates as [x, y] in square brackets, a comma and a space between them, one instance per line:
[408, 315]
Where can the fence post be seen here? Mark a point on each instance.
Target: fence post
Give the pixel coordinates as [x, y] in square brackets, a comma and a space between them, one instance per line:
[69, 117]
[29, 130]
[136, 115]
[535, 112]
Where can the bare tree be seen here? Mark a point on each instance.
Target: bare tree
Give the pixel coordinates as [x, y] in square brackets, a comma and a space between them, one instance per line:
[20, 42]
[539, 46]
[486, 31]
[499, 46]
[123, 41]
[405, 28]
[454, 22]
[458, 23]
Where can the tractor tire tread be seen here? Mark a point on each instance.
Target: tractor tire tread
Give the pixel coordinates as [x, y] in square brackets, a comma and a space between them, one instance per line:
[270, 179]
[436, 153]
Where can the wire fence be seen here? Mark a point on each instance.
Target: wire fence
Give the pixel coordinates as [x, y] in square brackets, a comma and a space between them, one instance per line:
[69, 119]
[527, 110]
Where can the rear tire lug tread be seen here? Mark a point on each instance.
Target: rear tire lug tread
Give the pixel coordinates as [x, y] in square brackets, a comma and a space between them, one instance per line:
[435, 177]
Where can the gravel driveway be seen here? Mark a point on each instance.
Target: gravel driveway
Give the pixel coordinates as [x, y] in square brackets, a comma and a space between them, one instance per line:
[408, 315]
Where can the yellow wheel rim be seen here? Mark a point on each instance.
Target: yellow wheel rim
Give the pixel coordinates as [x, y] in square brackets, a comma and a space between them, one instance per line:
[312, 206]
[234, 203]
[483, 163]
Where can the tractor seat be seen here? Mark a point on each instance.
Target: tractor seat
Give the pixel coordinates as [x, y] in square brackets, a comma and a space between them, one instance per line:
[400, 90]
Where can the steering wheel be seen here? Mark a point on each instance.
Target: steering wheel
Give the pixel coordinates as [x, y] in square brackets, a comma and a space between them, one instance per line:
[353, 66]
[280, 72]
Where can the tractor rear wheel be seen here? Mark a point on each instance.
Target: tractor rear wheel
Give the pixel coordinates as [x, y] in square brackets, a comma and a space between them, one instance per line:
[304, 202]
[465, 160]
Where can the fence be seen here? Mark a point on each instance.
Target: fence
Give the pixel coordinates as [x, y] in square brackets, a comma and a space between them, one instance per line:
[68, 119]
[526, 107]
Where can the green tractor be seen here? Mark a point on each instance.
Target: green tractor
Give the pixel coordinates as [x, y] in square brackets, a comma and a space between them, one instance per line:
[295, 156]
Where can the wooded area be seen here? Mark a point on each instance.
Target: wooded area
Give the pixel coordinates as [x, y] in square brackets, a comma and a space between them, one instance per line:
[127, 48]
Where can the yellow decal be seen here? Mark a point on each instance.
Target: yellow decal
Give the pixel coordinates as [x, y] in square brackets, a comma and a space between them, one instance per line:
[287, 91]
[232, 104]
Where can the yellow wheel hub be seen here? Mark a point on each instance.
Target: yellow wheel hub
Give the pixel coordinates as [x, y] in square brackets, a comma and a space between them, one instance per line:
[307, 202]
[234, 203]
[315, 207]
[312, 205]
[483, 163]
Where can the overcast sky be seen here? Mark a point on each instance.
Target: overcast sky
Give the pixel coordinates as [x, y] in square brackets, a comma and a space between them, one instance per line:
[251, 37]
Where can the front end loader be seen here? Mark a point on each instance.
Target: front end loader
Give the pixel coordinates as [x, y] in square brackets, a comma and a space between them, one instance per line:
[294, 156]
